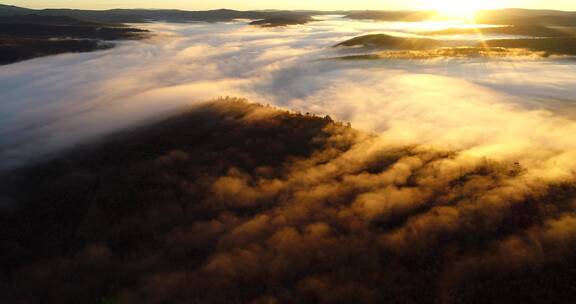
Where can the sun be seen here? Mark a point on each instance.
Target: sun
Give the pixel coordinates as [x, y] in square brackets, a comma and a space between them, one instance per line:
[459, 9]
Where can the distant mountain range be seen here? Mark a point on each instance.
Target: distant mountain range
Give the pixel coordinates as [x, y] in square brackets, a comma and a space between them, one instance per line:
[8, 10]
[48, 20]
[511, 16]
[27, 34]
[149, 15]
[527, 17]
[503, 16]
[392, 15]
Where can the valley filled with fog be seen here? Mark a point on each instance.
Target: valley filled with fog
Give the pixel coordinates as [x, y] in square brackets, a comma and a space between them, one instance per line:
[499, 107]
[331, 160]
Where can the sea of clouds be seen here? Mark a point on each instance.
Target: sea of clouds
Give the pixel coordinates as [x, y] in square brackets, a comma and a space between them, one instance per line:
[501, 107]
[465, 195]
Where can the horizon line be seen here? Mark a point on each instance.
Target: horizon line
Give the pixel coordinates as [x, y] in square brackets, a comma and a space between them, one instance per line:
[270, 9]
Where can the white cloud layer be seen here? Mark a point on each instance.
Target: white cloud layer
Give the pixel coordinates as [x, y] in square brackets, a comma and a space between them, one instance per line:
[510, 109]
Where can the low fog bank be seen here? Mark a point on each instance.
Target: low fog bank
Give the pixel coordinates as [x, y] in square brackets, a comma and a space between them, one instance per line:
[490, 106]
[234, 202]
[456, 184]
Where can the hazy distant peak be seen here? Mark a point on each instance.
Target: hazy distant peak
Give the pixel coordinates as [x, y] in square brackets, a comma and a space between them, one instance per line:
[45, 20]
[10, 10]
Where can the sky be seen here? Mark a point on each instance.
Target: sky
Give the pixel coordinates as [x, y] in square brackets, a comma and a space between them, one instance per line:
[292, 4]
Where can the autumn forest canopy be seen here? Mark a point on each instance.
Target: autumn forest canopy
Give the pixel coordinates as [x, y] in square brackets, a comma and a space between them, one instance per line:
[269, 156]
[236, 201]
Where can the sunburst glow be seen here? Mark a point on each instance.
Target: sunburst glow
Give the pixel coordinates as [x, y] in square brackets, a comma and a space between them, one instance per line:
[459, 9]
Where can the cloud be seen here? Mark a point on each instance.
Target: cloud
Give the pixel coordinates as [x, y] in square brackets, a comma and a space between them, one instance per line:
[462, 174]
[482, 104]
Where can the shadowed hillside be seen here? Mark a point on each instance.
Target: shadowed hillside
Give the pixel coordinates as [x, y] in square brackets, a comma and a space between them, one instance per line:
[47, 20]
[521, 17]
[392, 15]
[19, 49]
[62, 32]
[150, 15]
[387, 41]
[24, 37]
[282, 21]
[230, 202]
[422, 48]
[526, 17]
[9, 10]
[550, 46]
[520, 30]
